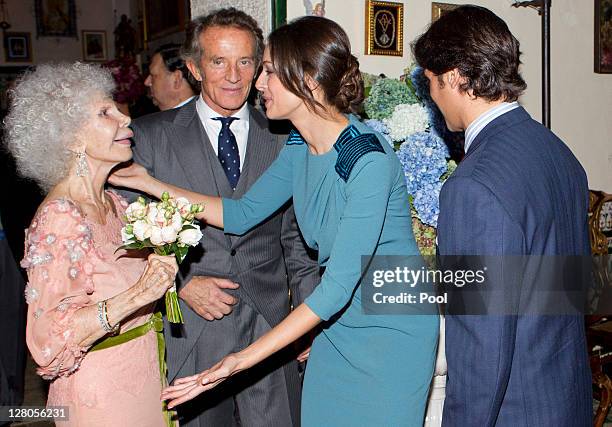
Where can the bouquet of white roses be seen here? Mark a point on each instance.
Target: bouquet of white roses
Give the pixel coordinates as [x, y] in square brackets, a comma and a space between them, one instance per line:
[169, 228]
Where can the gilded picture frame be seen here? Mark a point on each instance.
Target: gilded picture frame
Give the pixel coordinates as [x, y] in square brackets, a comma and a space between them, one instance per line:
[55, 18]
[384, 22]
[94, 45]
[438, 9]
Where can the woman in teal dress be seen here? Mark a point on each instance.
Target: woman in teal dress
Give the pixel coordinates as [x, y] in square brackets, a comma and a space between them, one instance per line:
[350, 200]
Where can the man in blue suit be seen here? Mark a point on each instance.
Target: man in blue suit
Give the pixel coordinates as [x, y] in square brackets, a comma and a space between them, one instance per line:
[518, 191]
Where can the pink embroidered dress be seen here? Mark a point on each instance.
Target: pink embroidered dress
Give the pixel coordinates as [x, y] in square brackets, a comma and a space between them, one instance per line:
[71, 263]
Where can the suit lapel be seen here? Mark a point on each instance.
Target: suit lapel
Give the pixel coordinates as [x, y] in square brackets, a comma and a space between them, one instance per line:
[186, 137]
[258, 152]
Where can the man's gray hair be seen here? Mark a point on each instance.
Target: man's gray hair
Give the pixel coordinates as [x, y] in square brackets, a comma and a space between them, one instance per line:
[48, 108]
[228, 17]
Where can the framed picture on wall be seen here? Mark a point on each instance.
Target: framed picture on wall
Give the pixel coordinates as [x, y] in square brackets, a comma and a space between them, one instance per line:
[17, 47]
[165, 17]
[314, 7]
[94, 45]
[384, 25]
[438, 9]
[55, 18]
[603, 36]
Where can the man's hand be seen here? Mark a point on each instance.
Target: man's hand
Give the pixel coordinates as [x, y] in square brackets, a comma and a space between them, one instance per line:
[303, 356]
[205, 296]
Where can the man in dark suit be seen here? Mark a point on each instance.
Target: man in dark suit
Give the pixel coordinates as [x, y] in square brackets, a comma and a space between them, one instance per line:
[518, 191]
[236, 287]
[170, 83]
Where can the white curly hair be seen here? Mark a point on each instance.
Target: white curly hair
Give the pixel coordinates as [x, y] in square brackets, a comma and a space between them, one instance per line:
[48, 107]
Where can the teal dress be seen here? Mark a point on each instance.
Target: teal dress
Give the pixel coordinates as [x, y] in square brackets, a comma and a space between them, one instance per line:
[363, 370]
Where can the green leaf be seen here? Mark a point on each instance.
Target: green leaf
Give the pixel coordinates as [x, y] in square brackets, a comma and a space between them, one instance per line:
[134, 245]
[181, 253]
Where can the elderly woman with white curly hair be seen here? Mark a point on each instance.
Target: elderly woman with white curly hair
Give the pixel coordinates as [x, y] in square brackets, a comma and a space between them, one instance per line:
[91, 327]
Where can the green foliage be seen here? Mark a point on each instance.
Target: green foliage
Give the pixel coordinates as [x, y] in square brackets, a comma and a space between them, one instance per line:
[385, 95]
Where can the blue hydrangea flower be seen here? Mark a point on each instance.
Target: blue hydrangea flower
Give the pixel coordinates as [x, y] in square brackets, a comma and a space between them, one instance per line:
[380, 127]
[423, 157]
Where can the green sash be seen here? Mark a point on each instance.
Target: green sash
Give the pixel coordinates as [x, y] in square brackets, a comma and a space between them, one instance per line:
[155, 323]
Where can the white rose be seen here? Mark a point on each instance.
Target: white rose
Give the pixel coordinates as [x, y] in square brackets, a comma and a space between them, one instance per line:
[126, 237]
[142, 230]
[168, 234]
[185, 211]
[156, 236]
[190, 237]
[182, 202]
[177, 221]
[152, 213]
[136, 211]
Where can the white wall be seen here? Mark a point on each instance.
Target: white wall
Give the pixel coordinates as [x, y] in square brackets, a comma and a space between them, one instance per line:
[581, 100]
[90, 15]
[258, 9]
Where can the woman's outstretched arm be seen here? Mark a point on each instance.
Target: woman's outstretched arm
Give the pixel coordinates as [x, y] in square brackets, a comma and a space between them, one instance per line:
[136, 177]
[271, 191]
[300, 321]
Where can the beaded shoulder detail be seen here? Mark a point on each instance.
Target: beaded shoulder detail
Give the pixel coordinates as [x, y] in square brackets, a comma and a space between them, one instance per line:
[352, 146]
[59, 234]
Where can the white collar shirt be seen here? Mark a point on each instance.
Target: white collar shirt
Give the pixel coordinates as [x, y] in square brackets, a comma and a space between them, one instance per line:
[240, 128]
[484, 119]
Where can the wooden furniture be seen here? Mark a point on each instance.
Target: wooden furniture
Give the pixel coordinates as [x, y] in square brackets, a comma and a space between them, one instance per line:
[599, 328]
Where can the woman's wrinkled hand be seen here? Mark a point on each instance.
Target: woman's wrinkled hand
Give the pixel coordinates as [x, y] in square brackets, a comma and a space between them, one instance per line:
[185, 389]
[168, 259]
[133, 176]
[157, 278]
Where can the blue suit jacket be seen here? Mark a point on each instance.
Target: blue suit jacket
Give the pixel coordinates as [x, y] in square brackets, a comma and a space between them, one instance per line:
[518, 191]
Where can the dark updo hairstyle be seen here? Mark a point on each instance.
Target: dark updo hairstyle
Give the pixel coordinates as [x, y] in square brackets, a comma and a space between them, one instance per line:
[317, 47]
[479, 44]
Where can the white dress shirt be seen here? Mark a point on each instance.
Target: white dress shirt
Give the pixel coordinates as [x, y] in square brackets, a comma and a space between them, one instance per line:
[240, 128]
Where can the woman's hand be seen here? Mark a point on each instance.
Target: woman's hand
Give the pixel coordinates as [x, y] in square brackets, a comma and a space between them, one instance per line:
[157, 278]
[133, 176]
[300, 321]
[187, 388]
[167, 259]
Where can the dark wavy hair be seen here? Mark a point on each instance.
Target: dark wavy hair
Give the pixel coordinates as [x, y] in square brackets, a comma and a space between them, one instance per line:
[171, 56]
[317, 47]
[228, 17]
[479, 44]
